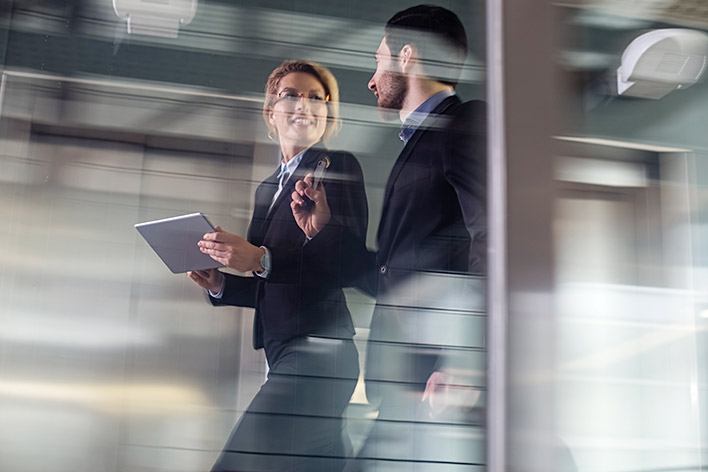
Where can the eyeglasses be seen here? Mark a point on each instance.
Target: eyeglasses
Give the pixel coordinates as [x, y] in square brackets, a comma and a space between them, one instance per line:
[292, 96]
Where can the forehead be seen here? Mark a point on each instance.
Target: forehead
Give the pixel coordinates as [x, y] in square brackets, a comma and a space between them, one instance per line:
[383, 49]
[301, 81]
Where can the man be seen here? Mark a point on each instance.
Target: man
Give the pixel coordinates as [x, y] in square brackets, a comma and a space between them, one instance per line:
[427, 273]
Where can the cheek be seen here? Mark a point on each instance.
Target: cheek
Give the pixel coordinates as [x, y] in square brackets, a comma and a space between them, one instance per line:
[321, 126]
[280, 121]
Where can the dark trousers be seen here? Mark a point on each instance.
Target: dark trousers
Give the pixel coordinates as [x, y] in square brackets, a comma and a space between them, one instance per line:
[295, 421]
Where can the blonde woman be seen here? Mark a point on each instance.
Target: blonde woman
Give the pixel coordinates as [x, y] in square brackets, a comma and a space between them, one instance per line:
[302, 321]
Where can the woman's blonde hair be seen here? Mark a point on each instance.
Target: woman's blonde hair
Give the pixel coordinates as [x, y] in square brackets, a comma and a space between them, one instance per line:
[323, 76]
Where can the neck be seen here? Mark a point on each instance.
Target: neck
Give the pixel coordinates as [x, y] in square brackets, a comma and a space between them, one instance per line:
[288, 150]
[419, 90]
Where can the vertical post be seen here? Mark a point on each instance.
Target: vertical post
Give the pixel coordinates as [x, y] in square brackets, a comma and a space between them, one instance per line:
[497, 309]
[524, 98]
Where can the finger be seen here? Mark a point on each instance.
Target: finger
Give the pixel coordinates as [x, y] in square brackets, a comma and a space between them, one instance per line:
[428, 388]
[210, 236]
[219, 235]
[312, 194]
[296, 198]
[309, 180]
[197, 280]
[318, 196]
[210, 245]
[300, 186]
[218, 229]
[215, 252]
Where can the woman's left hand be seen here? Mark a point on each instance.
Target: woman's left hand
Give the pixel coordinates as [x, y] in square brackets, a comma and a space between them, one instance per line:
[232, 251]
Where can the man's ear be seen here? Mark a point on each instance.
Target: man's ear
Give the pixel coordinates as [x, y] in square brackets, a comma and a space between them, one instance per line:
[406, 57]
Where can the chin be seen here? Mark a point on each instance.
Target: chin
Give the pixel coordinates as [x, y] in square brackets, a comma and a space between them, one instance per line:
[306, 141]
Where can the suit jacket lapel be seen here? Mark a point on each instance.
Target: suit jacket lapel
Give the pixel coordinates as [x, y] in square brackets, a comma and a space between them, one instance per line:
[264, 196]
[307, 163]
[405, 155]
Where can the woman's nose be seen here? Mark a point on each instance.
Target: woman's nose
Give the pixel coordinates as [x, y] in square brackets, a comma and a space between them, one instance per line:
[303, 103]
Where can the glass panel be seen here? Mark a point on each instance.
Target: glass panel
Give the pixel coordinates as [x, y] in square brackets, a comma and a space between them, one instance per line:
[630, 266]
[119, 112]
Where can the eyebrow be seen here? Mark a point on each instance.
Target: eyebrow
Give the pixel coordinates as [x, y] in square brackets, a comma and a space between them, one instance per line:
[296, 90]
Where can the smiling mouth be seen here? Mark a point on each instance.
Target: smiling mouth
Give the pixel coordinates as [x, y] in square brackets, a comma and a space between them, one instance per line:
[302, 121]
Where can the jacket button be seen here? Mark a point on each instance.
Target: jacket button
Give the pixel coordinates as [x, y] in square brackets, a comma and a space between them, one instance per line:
[383, 269]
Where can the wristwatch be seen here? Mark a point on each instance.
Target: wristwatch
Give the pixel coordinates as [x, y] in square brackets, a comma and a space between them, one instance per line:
[265, 263]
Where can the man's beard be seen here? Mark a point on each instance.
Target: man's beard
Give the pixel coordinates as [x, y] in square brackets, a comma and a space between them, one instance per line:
[392, 91]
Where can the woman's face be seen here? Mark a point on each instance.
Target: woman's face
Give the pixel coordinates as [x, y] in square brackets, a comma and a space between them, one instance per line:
[299, 113]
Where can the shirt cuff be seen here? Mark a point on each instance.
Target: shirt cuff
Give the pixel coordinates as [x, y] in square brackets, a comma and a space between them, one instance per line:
[219, 293]
[266, 263]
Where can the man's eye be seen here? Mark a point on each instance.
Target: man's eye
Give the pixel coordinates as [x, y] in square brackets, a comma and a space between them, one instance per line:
[317, 98]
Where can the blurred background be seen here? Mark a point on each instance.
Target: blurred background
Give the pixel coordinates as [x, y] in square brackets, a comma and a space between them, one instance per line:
[108, 362]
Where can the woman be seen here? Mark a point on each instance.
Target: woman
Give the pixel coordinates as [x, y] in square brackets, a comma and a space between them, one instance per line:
[302, 321]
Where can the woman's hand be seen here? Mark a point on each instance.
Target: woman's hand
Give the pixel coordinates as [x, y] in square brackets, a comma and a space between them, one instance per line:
[232, 251]
[210, 279]
[313, 218]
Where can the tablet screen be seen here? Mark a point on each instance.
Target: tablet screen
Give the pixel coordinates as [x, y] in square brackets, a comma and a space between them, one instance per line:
[175, 240]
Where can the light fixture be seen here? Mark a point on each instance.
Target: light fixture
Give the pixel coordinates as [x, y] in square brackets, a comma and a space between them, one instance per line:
[155, 17]
[661, 61]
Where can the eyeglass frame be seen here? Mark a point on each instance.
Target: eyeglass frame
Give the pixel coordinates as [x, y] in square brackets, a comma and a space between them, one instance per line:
[295, 96]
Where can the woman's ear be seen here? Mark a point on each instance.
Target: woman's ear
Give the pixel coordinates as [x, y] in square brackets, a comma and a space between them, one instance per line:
[272, 130]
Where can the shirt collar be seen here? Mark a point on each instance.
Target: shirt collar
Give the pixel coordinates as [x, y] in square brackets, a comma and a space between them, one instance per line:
[292, 164]
[414, 119]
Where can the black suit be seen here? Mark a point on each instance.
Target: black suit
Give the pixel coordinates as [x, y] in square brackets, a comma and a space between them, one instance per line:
[302, 321]
[431, 238]
[427, 277]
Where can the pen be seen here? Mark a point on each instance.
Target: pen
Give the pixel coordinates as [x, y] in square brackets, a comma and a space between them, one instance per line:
[319, 173]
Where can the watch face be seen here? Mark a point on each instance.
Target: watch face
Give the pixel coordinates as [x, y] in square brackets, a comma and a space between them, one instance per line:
[265, 259]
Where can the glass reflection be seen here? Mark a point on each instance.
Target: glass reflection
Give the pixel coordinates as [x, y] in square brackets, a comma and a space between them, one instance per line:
[108, 362]
[630, 378]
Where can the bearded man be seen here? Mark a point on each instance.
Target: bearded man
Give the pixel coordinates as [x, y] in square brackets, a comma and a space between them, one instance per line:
[427, 275]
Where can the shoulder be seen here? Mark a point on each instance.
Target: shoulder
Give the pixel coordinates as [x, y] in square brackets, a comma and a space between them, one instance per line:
[343, 160]
[471, 108]
[469, 117]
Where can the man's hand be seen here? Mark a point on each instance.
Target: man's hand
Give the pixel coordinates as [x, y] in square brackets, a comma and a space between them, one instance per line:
[313, 219]
[437, 392]
[450, 392]
[210, 279]
[232, 251]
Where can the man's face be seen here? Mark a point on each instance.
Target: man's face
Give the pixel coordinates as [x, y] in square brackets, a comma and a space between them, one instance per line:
[388, 82]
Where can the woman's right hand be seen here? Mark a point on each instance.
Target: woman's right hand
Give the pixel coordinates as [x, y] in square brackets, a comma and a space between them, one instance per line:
[313, 218]
[210, 279]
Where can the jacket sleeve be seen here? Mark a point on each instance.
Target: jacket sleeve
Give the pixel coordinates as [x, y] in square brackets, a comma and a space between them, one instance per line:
[464, 166]
[238, 291]
[337, 256]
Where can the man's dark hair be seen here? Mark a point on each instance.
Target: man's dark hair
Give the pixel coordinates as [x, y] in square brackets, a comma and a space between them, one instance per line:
[437, 34]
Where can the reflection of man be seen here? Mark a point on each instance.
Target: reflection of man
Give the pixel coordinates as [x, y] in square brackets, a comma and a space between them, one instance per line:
[431, 237]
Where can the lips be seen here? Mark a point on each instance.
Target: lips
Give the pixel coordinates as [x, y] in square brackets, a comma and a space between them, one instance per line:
[302, 121]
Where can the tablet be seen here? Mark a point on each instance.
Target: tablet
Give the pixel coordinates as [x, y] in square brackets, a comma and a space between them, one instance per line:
[175, 241]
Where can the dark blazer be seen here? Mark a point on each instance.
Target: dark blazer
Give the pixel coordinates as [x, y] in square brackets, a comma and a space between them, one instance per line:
[431, 243]
[434, 213]
[295, 300]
